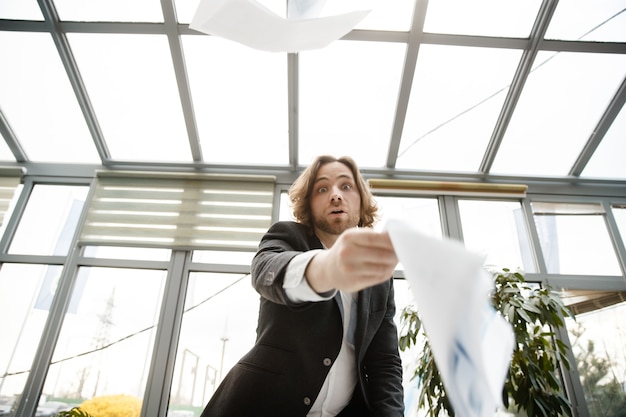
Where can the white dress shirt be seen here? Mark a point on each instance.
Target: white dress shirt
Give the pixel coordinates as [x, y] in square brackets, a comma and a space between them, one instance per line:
[341, 380]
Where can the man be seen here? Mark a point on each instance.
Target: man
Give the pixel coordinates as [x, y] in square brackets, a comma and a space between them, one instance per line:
[326, 341]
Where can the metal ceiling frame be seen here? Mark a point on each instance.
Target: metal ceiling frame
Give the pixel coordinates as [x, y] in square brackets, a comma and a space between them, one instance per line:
[414, 38]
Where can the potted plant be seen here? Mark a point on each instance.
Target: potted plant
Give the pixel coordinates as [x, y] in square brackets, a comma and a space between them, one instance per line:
[532, 386]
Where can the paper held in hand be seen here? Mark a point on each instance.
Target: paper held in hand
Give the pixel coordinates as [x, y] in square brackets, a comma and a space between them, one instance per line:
[472, 344]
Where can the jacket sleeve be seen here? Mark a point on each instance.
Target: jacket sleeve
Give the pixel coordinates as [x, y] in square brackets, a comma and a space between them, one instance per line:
[382, 366]
[282, 242]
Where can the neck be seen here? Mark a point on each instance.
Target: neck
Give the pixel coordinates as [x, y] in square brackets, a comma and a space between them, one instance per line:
[327, 239]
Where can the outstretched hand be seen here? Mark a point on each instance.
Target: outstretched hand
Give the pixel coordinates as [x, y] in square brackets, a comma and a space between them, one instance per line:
[360, 258]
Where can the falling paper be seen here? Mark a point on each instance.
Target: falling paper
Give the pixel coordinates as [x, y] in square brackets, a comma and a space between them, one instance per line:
[250, 23]
[304, 9]
[471, 343]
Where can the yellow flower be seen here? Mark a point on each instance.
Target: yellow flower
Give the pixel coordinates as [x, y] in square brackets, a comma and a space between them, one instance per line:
[113, 406]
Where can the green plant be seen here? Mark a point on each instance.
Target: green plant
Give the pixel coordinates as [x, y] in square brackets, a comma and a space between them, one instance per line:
[533, 385]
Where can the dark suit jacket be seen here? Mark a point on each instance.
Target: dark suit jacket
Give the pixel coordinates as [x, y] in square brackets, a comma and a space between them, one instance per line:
[297, 343]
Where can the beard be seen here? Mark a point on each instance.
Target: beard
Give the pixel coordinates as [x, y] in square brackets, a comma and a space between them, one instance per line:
[335, 226]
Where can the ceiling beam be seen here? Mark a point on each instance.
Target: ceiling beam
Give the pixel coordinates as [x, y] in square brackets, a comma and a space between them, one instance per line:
[408, 73]
[71, 68]
[293, 104]
[182, 80]
[524, 68]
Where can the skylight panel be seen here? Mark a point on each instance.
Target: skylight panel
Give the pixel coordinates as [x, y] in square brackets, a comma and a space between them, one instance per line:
[130, 80]
[483, 17]
[5, 152]
[562, 101]
[347, 99]
[39, 103]
[384, 15]
[455, 101]
[109, 10]
[589, 20]
[20, 10]
[240, 101]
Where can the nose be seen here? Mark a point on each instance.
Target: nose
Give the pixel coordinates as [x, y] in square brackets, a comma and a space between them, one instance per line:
[336, 195]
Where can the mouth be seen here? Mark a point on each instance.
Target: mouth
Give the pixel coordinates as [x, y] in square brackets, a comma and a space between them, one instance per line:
[337, 212]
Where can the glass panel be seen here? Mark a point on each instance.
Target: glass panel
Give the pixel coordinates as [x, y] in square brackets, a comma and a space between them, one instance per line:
[110, 10]
[456, 98]
[384, 14]
[588, 20]
[229, 80]
[420, 213]
[49, 220]
[20, 10]
[619, 212]
[348, 97]
[26, 292]
[105, 345]
[557, 112]
[114, 252]
[29, 95]
[497, 230]
[607, 160]
[285, 212]
[130, 80]
[484, 17]
[575, 241]
[598, 339]
[185, 10]
[222, 257]
[5, 151]
[218, 328]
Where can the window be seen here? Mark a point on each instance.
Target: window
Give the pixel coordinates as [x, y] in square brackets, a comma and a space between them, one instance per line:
[26, 293]
[598, 337]
[420, 213]
[48, 223]
[497, 230]
[218, 328]
[574, 239]
[105, 344]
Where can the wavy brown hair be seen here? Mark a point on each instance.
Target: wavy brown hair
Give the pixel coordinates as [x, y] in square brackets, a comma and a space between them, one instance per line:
[300, 192]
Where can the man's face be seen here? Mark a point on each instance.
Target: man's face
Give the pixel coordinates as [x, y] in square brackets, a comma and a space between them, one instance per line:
[335, 202]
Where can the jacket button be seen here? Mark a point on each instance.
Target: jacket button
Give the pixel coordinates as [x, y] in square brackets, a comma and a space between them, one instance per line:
[327, 362]
[307, 401]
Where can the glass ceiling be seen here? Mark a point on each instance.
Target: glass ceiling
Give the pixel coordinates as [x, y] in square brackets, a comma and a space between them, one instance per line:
[520, 88]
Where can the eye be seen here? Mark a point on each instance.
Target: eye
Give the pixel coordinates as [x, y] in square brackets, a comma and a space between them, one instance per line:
[347, 187]
[322, 190]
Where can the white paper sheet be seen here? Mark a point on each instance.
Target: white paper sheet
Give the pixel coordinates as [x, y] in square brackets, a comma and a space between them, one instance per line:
[471, 343]
[250, 23]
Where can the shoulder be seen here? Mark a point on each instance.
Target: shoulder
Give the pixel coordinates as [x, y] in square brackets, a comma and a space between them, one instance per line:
[293, 234]
[288, 226]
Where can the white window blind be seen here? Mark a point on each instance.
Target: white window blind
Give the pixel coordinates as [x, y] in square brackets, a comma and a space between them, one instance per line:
[190, 211]
[10, 179]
